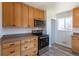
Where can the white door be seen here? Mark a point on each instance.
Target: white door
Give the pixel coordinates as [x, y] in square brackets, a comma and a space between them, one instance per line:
[53, 30]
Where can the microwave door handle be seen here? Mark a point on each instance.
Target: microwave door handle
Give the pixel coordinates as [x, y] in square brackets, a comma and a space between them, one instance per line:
[34, 22]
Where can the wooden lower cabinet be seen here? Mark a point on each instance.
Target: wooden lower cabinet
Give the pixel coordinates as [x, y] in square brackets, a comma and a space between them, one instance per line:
[11, 49]
[75, 44]
[0, 50]
[29, 47]
[24, 47]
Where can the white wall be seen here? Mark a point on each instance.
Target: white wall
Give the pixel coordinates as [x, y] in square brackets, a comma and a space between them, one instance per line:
[62, 37]
[49, 17]
[14, 30]
[0, 19]
[6, 31]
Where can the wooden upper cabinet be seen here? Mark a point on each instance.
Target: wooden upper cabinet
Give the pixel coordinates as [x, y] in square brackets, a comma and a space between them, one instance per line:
[17, 14]
[31, 16]
[76, 17]
[25, 15]
[39, 14]
[36, 13]
[20, 15]
[7, 11]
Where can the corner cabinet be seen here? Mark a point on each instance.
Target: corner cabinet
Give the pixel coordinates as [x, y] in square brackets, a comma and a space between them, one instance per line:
[76, 17]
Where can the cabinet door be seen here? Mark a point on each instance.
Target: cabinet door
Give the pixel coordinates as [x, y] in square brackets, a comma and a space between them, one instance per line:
[76, 18]
[7, 8]
[25, 46]
[75, 44]
[36, 14]
[0, 50]
[31, 16]
[25, 15]
[34, 46]
[42, 16]
[18, 14]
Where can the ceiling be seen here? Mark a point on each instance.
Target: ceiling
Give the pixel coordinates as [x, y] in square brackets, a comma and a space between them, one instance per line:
[54, 7]
[40, 5]
[45, 5]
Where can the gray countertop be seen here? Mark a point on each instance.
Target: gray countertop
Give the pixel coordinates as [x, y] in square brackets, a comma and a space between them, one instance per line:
[15, 37]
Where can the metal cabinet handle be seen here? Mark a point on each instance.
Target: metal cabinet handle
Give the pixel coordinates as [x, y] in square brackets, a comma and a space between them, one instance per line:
[12, 51]
[25, 47]
[12, 44]
[34, 51]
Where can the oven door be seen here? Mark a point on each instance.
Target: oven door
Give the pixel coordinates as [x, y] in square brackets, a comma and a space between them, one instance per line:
[43, 42]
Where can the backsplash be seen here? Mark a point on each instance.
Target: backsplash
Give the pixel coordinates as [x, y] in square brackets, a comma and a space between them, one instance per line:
[6, 31]
[76, 30]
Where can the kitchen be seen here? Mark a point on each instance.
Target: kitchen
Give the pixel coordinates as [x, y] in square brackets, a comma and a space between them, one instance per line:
[27, 30]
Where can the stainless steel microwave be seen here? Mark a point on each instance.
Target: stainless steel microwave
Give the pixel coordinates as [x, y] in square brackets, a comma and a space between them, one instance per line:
[39, 23]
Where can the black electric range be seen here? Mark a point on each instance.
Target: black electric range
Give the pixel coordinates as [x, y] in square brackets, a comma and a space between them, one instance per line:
[43, 41]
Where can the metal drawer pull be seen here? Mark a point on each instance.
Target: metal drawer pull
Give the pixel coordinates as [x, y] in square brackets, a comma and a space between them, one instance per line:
[34, 44]
[12, 51]
[34, 51]
[25, 41]
[25, 47]
[26, 55]
[12, 44]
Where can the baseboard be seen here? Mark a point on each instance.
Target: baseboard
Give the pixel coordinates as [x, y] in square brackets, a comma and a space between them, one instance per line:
[62, 44]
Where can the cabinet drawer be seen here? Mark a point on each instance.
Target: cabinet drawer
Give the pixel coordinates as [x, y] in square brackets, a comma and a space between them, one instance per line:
[34, 42]
[11, 52]
[33, 51]
[11, 45]
[29, 52]
[25, 41]
[11, 49]
[25, 53]
[25, 47]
